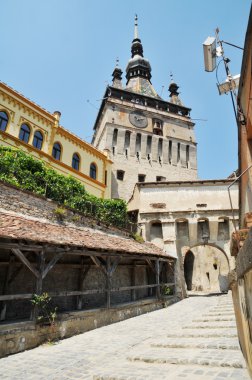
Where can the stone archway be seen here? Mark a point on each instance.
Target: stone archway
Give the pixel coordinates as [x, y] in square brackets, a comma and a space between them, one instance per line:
[206, 268]
[188, 269]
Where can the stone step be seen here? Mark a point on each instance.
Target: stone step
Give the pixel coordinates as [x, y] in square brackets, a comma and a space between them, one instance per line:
[204, 333]
[196, 356]
[146, 371]
[218, 314]
[197, 342]
[214, 319]
[210, 326]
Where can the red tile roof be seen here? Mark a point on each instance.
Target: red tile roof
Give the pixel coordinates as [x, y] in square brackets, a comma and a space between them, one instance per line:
[15, 227]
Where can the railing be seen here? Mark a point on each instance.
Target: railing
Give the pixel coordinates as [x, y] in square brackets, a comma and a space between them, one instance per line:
[12, 297]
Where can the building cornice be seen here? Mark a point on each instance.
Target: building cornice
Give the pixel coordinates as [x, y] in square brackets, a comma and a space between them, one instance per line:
[184, 183]
[155, 103]
[27, 101]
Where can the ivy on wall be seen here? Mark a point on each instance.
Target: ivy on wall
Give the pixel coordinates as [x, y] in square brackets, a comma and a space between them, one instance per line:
[24, 171]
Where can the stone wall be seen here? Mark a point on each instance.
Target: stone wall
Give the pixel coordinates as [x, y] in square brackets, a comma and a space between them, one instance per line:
[22, 336]
[156, 166]
[33, 205]
[241, 285]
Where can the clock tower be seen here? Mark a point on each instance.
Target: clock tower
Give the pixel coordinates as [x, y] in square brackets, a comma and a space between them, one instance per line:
[148, 138]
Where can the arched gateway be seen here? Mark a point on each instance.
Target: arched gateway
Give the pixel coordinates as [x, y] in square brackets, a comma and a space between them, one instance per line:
[206, 268]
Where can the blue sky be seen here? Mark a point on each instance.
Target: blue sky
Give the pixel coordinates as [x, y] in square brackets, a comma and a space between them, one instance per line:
[61, 54]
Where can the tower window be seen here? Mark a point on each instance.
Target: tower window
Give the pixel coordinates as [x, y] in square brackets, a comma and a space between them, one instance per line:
[138, 143]
[3, 120]
[178, 153]
[157, 127]
[76, 161]
[203, 231]
[187, 155]
[141, 177]
[93, 171]
[148, 146]
[24, 133]
[126, 141]
[223, 229]
[114, 141]
[56, 152]
[160, 178]
[160, 148]
[120, 175]
[37, 140]
[170, 152]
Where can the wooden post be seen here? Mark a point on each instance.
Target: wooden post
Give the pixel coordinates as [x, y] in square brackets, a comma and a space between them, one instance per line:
[83, 274]
[39, 282]
[5, 287]
[133, 282]
[157, 278]
[108, 283]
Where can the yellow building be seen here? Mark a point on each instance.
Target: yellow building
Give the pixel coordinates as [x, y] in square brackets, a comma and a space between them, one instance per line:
[27, 126]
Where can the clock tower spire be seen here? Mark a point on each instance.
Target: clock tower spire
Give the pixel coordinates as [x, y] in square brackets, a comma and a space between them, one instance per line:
[138, 66]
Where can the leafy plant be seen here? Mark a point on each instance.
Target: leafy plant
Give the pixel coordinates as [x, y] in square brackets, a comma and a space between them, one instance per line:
[46, 313]
[24, 171]
[138, 238]
[60, 213]
[167, 290]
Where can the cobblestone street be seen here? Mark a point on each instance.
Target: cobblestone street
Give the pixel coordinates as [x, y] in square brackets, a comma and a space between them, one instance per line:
[194, 339]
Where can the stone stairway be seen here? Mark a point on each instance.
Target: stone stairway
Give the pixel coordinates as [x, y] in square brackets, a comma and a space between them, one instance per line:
[194, 339]
[204, 348]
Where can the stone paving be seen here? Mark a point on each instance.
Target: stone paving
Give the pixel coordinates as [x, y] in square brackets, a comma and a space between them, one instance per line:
[194, 339]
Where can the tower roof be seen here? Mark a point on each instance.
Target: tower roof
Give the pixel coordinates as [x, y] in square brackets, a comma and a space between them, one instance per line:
[117, 75]
[138, 70]
[174, 94]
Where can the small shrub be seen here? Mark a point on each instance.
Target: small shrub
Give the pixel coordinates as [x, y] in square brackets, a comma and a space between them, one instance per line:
[46, 313]
[60, 213]
[138, 238]
[167, 290]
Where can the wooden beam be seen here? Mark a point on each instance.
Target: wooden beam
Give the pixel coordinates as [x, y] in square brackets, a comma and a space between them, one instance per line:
[152, 267]
[51, 264]
[157, 266]
[11, 297]
[122, 288]
[83, 274]
[5, 287]
[108, 280]
[22, 247]
[25, 261]
[114, 265]
[39, 284]
[99, 264]
[133, 282]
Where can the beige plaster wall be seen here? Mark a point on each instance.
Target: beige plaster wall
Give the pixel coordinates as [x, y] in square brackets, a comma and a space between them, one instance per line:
[176, 128]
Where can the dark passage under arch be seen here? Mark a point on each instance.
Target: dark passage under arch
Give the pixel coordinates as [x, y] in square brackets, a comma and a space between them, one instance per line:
[188, 269]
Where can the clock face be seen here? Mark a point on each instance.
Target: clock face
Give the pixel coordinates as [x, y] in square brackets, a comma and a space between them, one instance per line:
[138, 119]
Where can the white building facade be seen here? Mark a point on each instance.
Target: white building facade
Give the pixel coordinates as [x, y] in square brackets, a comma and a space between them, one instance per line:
[193, 221]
